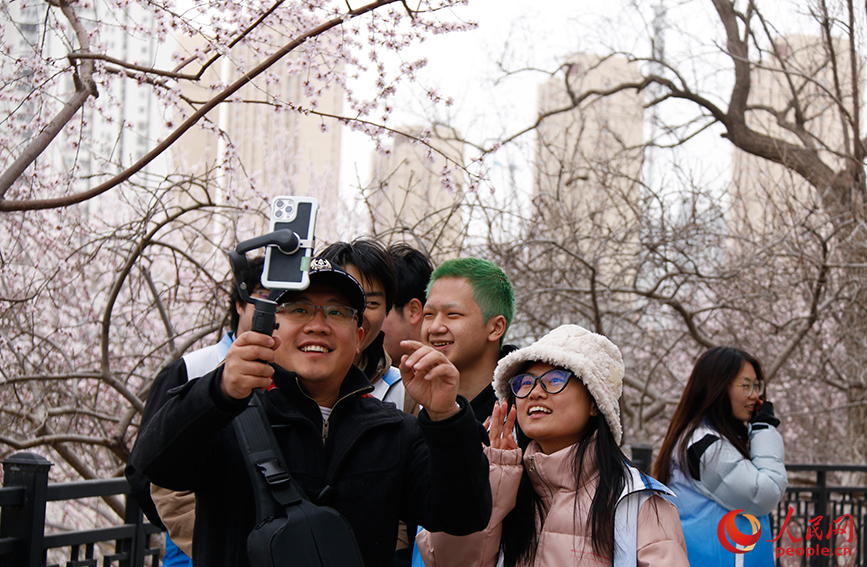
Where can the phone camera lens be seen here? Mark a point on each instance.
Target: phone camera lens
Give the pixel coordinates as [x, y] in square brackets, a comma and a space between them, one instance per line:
[278, 213]
[279, 204]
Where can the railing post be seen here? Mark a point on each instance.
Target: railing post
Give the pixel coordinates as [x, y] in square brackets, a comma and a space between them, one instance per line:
[133, 516]
[820, 509]
[26, 523]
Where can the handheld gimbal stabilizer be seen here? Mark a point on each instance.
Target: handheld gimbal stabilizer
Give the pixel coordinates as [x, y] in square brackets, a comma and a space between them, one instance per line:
[265, 310]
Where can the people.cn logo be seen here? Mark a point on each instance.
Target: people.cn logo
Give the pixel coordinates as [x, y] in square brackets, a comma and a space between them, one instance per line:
[727, 530]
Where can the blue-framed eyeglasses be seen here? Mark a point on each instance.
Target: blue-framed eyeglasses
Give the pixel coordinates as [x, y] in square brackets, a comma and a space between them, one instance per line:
[552, 382]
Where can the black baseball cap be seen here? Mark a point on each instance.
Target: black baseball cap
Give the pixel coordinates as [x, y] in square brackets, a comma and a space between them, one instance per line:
[325, 273]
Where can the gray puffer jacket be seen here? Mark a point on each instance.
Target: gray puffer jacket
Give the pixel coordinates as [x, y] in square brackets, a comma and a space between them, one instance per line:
[718, 479]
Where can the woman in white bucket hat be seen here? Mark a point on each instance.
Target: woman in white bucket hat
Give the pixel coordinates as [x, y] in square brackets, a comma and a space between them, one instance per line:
[564, 493]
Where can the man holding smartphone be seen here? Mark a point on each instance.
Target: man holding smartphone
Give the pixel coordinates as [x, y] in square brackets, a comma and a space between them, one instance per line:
[365, 458]
[176, 511]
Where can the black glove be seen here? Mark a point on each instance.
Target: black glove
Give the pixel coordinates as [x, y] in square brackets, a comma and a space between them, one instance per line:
[766, 415]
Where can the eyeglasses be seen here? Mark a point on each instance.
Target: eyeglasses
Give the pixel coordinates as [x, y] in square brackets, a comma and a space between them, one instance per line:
[552, 382]
[261, 293]
[750, 387]
[302, 312]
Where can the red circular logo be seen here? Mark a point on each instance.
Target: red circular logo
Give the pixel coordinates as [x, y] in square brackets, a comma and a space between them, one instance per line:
[727, 530]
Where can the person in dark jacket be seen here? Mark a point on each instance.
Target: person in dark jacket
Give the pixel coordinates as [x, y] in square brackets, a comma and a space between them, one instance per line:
[348, 450]
[176, 511]
[470, 305]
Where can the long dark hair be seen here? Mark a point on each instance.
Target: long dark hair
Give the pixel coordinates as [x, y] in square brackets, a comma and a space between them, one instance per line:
[705, 398]
[520, 538]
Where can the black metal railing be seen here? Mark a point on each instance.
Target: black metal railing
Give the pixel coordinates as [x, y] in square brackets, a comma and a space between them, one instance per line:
[23, 541]
[827, 524]
[817, 524]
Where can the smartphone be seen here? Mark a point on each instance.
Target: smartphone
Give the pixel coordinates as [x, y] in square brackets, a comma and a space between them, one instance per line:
[291, 271]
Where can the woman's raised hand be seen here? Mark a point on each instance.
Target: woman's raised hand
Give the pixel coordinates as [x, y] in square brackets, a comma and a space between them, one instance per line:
[501, 426]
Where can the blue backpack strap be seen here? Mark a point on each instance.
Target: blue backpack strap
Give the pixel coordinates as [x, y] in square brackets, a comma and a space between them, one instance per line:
[639, 487]
[391, 376]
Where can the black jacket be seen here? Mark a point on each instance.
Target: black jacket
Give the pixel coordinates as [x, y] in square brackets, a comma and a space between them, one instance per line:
[483, 403]
[170, 377]
[376, 465]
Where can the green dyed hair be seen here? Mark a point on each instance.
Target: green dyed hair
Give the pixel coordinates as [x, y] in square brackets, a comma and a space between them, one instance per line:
[492, 289]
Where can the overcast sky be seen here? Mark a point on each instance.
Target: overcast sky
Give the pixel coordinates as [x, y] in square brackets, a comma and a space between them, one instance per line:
[464, 66]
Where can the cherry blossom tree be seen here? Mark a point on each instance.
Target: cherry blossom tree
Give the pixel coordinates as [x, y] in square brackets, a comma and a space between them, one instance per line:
[112, 260]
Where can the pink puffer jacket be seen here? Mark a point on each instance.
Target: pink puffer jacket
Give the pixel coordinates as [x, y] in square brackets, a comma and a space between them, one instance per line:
[562, 543]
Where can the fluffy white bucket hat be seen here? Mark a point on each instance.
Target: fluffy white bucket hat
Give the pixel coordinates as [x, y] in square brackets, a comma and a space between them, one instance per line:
[593, 358]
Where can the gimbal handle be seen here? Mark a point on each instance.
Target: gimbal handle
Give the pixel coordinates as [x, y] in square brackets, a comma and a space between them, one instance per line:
[265, 310]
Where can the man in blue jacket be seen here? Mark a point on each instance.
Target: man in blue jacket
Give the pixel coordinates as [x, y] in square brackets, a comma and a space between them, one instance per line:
[348, 450]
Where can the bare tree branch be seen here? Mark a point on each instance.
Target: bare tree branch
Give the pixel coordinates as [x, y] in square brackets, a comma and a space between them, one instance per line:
[85, 87]
[9, 177]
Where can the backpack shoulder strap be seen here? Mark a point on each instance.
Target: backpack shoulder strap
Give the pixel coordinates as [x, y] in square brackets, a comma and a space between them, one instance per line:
[269, 476]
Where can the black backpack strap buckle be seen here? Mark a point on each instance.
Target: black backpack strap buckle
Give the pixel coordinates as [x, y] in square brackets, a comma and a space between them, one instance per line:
[273, 472]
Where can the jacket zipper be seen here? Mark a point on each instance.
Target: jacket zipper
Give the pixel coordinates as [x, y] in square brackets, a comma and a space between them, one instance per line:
[533, 468]
[326, 423]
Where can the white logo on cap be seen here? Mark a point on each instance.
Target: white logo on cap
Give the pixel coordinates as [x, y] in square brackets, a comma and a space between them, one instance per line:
[319, 264]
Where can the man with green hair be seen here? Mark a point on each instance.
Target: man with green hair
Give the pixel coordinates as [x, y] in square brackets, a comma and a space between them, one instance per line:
[470, 305]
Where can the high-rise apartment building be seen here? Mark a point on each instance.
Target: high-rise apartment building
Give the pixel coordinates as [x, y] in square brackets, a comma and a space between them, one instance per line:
[763, 192]
[275, 150]
[416, 191]
[597, 145]
[111, 131]
[589, 159]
